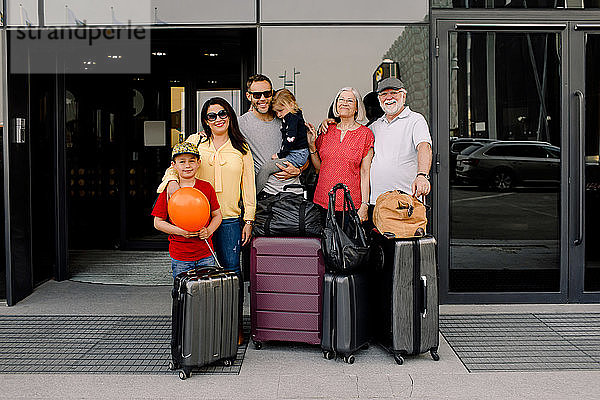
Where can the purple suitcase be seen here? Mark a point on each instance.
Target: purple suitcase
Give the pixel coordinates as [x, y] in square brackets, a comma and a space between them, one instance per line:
[286, 289]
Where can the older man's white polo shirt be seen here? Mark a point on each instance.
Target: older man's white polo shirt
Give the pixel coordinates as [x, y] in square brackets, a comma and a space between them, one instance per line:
[394, 164]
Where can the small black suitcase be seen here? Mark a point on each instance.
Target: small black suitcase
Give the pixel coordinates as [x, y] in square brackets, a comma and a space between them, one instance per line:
[345, 315]
[204, 319]
[407, 296]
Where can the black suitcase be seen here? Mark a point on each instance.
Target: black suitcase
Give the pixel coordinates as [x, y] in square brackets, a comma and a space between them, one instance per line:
[408, 296]
[204, 319]
[345, 315]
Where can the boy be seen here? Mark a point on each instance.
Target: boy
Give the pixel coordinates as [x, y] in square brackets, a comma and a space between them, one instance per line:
[188, 249]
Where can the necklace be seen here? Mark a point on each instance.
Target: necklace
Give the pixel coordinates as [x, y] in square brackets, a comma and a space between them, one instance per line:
[343, 131]
[347, 128]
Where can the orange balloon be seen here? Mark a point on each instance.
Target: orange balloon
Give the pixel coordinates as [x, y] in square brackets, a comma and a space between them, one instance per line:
[189, 209]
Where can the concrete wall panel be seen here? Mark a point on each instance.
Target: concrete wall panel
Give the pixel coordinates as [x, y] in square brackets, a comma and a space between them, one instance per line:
[332, 11]
[116, 12]
[22, 12]
[96, 12]
[327, 59]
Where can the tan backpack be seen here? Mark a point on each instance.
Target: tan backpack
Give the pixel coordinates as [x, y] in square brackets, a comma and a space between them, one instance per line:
[399, 215]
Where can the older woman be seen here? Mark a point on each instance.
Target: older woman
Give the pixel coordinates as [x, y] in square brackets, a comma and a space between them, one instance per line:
[344, 153]
[226, 163]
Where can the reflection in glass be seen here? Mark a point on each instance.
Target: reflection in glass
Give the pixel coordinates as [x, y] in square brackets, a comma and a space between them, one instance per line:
[505, 157]
[592, 166]
[177, 114]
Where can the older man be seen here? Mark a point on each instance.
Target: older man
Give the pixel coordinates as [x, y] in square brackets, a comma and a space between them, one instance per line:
[402, 145]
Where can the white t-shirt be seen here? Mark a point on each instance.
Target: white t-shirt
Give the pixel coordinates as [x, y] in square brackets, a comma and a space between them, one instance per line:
[394, 164]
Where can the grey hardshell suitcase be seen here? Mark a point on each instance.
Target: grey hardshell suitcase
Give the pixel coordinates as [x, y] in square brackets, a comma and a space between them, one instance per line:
[408, 296]
[346, 312]
[204, 319]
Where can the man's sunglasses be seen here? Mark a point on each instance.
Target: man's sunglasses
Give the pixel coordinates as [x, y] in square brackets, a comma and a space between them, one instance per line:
[258, 95]
[212, 116]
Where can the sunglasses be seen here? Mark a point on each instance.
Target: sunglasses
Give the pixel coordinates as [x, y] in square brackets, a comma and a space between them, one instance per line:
[258, 95]
[212, 116]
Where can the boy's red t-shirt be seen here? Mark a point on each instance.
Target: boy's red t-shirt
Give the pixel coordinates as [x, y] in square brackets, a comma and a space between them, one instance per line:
[180, 247]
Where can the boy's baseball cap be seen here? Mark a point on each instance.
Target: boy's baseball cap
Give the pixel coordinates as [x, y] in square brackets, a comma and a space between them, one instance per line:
[184, 148]
[389, 83]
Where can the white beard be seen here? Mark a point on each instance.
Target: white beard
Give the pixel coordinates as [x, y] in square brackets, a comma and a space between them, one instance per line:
[391, 109]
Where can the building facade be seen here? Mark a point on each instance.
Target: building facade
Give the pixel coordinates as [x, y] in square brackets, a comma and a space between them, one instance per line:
[95, 93]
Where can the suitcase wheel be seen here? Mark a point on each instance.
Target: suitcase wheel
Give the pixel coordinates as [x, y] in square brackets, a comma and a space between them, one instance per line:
[185, 373]
[328, 355]
[399, 359]
[349, 359]
[173, 366]
[434, 355]
[257, 344]
[228, 362]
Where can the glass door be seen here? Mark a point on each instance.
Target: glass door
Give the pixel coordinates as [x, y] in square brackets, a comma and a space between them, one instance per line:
[585, 170]
[501, 191]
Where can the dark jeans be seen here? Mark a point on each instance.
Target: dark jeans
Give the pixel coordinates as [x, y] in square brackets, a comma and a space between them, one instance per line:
[227, 241]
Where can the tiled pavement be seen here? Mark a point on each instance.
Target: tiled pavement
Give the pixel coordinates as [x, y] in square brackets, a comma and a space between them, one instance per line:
[524, 342]
[93, 344]
[140, 344]
[295, 371]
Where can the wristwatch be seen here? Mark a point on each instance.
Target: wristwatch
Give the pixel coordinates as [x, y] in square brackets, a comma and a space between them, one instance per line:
[423, 174]
[248, 222]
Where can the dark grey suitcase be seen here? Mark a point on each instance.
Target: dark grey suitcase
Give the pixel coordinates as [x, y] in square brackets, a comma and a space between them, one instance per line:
[345, 315]
[204, 319]
[408, 296]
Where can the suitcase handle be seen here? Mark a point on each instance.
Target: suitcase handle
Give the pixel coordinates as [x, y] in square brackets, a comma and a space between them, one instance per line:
[424, 299]
[201, 270]
[213, 254]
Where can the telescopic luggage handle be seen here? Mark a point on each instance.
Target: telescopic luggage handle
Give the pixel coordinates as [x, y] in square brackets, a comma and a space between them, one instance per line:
[213, 254]
[424, 299]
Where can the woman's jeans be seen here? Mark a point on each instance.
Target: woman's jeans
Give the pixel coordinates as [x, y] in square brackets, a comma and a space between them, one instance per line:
[178, 267]
[227, 241]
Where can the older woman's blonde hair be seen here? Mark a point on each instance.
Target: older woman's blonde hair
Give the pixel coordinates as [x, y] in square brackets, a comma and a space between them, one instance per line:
[360, 114]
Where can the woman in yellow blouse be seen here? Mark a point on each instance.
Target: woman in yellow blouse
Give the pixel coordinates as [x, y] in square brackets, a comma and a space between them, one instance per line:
[226, 163]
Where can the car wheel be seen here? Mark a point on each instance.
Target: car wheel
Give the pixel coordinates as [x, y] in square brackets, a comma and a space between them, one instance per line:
[502, 180]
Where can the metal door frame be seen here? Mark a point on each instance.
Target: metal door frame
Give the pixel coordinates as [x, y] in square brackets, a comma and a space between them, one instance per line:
[443, 22]
[577, 36]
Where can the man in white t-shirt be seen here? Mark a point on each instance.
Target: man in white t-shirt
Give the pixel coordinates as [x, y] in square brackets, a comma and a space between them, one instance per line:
[402, 145]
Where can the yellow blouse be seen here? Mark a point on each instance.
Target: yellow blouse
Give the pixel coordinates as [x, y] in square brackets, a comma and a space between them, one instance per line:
[229, 171]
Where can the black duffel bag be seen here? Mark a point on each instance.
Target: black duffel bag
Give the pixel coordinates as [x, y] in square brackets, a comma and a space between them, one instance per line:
[344, 242]
[287, 214]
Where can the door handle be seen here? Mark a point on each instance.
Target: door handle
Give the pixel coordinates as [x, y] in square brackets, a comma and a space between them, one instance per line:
[509, 27]
[581, 153]
[587, 27]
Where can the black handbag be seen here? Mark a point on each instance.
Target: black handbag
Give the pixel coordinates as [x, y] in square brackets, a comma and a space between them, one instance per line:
[287, 214]
[344, 242]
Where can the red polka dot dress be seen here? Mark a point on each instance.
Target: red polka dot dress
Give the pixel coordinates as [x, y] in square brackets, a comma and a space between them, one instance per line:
[340, 163]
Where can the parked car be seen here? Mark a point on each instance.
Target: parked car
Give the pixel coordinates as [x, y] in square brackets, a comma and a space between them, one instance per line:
[459, 144]
[501, 165]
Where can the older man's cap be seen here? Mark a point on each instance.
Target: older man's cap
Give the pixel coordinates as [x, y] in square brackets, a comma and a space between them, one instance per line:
[389, 83]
